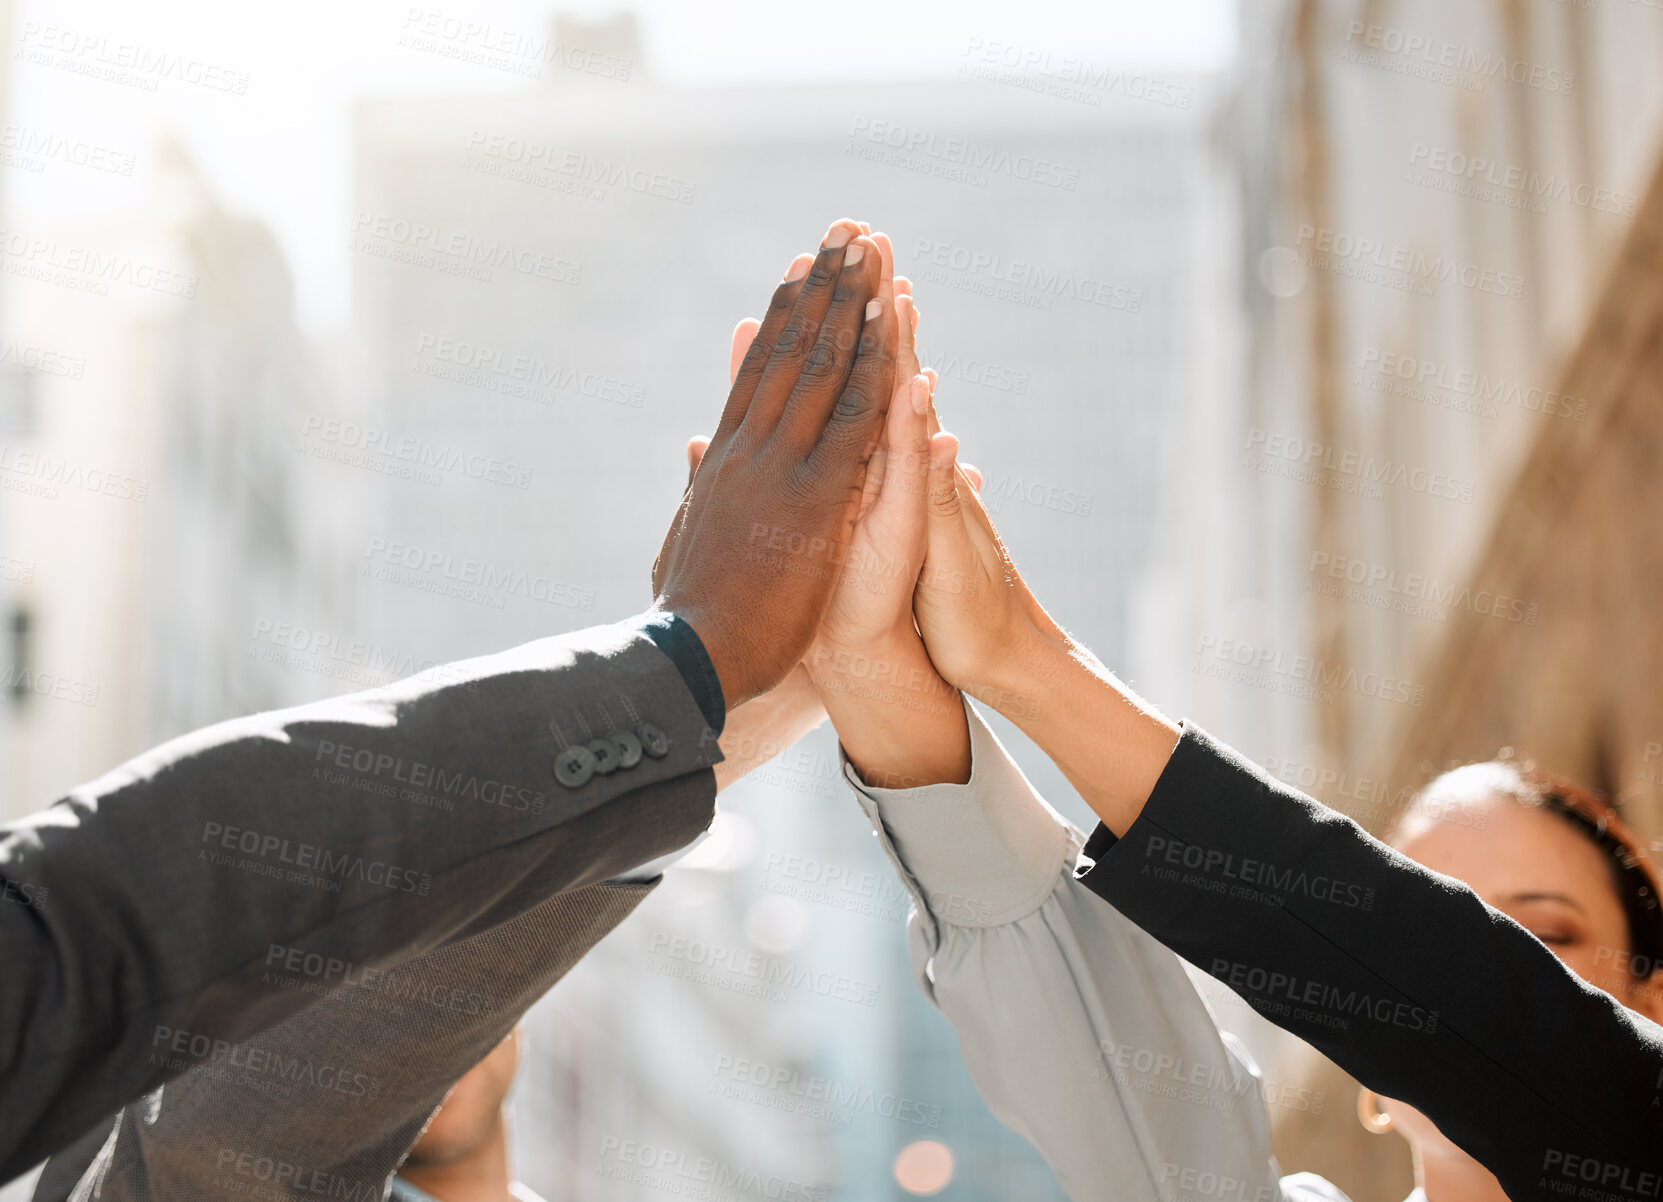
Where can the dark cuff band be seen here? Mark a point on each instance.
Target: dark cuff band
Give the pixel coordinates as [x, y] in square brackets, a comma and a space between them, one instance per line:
[678, 640]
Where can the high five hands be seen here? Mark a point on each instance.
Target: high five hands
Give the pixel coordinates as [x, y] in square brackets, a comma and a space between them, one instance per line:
[831, 508]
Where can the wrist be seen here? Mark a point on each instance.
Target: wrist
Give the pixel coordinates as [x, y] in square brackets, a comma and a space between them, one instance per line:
[1020, 681]
[900, 723]
[733, 679]
[895, 657]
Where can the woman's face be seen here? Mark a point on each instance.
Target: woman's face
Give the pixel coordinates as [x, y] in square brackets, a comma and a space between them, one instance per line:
[1537, 869]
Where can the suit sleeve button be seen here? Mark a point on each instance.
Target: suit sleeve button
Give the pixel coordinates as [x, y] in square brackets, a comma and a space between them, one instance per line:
[605, 752]
[629, 748]
[574, 766]
[653, 741]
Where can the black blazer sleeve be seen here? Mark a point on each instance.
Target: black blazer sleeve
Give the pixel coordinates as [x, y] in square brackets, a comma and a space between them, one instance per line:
[1403, 977]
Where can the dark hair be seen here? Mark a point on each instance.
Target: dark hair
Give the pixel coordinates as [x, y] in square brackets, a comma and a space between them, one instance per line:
[1634, 876]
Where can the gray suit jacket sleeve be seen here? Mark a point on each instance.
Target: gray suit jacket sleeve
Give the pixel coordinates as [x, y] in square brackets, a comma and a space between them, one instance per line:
[1082, 1033]
[330, 840]
[329, 1102]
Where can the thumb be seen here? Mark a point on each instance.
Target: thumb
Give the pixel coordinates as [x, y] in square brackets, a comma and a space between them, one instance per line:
[946, 515]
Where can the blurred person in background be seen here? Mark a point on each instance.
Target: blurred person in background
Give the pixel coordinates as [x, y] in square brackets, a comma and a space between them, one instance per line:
[1560, 863]
[462, 1156]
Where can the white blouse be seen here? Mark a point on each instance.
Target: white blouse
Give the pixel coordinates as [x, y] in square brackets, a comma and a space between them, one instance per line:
[1082, 1033]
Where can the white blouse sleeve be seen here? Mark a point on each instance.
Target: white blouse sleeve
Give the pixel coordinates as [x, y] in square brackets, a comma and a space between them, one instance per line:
[1082, 1033]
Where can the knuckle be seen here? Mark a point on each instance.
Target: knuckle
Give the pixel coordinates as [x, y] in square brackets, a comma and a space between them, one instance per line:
[785, 296]
[756, 358]
[820, 362]
[822, 275]
[790, 342]
[854, 403]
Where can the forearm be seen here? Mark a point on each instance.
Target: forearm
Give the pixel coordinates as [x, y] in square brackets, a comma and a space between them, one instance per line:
[1110, 743]
[900, 724]
[765, 726]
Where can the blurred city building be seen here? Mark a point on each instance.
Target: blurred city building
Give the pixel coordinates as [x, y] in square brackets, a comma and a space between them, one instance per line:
[157, 528]
[1422, 527]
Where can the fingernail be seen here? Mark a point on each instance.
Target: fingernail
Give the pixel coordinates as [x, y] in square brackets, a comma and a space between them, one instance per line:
[873, 308]
[857, 252]
[799, 268]
[838, 235]
[920, 395]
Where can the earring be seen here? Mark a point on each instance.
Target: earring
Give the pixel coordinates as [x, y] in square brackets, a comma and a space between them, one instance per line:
[1375, 1120]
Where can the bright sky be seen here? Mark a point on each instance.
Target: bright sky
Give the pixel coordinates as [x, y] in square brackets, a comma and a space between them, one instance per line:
[280, 151]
